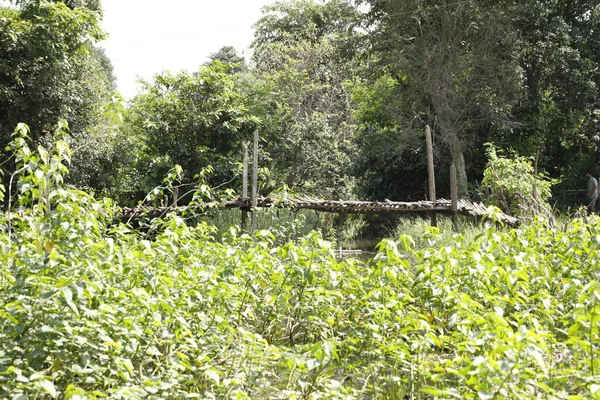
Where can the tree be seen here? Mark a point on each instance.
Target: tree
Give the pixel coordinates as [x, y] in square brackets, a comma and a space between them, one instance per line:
[390, 162]
[103, 155]
[45, 53]
[228, 56]
[302, 58]
[453, 67]
[93, 5]
[50, 70]
[558, 53]
[194, 120]
[522, 74]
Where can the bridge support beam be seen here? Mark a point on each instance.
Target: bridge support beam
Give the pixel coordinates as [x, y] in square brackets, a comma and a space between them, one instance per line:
[254, 181]
[453, 196]
[431, 172]
[245, 188]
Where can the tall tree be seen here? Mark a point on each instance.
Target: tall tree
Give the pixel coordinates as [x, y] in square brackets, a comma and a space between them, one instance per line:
[453, 66]
[302, 56]
[228, 56]
[51, 70]
[193, 120]
[559, 53]
[45, 52]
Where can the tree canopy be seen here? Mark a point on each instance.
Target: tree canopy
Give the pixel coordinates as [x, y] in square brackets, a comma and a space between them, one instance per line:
[301, 62]
[51, 70]
[44, 56]
[194, 120]
[340, 90]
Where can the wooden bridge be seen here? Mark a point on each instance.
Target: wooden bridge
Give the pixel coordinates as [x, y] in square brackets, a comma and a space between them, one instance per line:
[441, 206]
[433, 207]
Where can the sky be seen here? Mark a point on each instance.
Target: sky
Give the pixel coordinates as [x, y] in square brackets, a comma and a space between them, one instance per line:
[150, 36]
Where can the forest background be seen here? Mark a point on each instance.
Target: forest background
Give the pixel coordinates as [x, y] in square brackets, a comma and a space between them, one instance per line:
[339, 90]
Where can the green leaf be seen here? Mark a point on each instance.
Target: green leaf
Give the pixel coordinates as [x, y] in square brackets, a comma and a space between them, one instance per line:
[68, 295]
[213, 375]
[48, 387]
[485, 395]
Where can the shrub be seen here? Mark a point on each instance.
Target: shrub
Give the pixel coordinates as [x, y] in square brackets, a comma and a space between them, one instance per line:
[512, 185]
[91, 309]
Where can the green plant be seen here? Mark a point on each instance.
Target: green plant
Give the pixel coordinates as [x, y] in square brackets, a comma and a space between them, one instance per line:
[512, 185]
[92, 309]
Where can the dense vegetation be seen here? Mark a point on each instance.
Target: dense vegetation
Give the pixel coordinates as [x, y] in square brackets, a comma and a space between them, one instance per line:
[340, 91]
[93, 307]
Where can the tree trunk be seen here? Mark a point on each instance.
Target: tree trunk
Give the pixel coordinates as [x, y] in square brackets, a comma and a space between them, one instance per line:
[449, 136]
[458, 158]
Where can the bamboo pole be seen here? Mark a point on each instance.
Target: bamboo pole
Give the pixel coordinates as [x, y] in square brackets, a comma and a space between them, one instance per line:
[535, 175]
[453, 196]
[431, 172]
[254, 180]
[245, 188]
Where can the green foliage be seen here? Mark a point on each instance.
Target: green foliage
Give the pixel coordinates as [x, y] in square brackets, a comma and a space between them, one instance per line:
[228, 56]
[452, 68]
[372, 101]
[49, 71]
[91, 4]
[511, 184]
[301, 64]
[45, 70]
[103, 154]
[558, 54]
[522, 74]
[390, 161]
[193, 120]
[90, 309]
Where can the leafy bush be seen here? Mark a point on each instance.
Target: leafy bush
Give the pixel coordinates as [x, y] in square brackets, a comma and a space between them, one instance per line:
[92, 309]
[509, 184]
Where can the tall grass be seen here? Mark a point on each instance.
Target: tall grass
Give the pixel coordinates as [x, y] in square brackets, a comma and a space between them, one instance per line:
[417, 228]
[346, 231]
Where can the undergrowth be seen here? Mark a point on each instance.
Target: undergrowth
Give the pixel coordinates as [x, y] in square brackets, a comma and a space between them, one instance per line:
[89, 309]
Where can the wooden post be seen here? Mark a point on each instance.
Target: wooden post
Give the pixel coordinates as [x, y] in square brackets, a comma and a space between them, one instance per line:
[254, 180]
[245, 188]
[454, 196]
[535, 175]
[431, 172]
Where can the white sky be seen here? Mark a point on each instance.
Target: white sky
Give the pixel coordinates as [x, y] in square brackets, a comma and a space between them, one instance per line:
[149, 36]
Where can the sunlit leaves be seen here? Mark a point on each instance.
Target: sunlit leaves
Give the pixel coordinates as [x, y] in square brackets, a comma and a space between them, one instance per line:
[44, 54]
[90, 309]
[193, 120]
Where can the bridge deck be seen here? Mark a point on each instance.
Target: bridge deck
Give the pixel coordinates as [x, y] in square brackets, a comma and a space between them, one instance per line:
[441, 206]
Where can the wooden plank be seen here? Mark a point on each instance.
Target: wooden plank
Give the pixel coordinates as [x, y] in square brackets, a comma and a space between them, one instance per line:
[442, 206]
